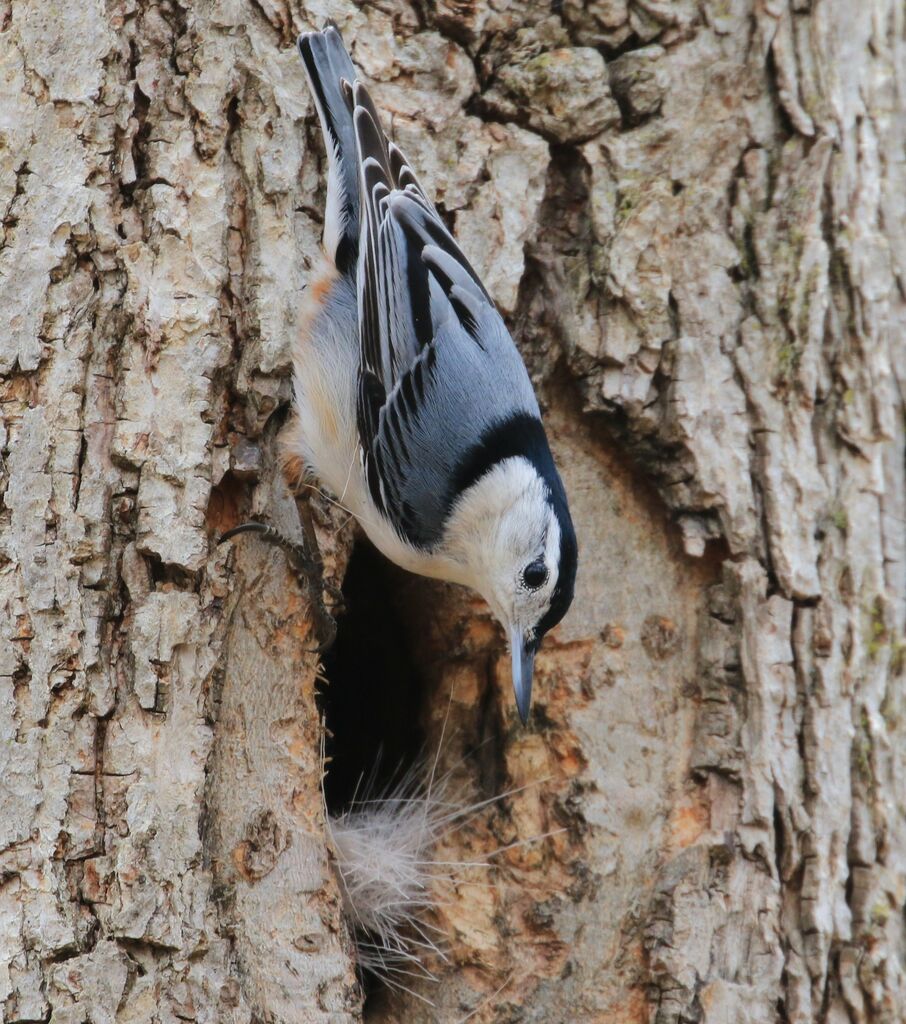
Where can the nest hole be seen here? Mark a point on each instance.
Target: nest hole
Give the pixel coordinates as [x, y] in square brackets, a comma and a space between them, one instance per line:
[373, 702]
[387, 704]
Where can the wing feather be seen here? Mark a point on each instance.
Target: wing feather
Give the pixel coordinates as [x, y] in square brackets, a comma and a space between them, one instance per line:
[436, 359]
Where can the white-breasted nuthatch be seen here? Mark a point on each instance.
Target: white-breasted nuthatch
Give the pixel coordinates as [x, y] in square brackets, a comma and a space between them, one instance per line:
[413, 405]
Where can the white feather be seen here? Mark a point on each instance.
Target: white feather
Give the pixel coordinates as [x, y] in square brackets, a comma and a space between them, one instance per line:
[334, 218]
[390, 879]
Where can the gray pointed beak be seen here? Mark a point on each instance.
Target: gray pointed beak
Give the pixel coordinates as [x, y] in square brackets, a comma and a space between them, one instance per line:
[523, 662]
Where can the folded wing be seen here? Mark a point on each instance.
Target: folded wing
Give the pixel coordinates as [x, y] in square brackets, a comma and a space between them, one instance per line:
[436, 358]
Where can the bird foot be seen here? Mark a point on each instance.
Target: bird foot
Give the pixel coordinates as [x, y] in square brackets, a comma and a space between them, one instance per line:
[309, 568]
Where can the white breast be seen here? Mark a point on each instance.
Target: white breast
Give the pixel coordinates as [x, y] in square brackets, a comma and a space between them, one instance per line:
[324, 433]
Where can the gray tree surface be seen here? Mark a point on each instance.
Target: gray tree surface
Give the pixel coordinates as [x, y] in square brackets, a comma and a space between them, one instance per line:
[693, 214]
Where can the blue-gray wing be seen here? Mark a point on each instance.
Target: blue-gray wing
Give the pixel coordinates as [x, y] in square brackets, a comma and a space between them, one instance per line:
[438, 368]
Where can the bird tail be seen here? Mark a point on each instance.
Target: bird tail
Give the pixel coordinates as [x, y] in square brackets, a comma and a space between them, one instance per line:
[329, 69]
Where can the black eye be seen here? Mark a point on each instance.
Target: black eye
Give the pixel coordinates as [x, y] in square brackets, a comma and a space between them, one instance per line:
[534, 575]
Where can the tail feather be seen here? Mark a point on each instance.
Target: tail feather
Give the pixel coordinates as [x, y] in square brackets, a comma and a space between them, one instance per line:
[373, 144]
[327, 66]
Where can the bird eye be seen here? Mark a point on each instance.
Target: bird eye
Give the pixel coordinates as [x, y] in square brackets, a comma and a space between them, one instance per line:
[534, 575]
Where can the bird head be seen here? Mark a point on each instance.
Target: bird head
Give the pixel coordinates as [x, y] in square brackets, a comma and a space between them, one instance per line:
[514, 530]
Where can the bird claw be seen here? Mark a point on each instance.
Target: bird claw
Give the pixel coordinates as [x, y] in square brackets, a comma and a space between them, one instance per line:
[307, 567]
[325, 645]
[300, 559]
[335, 594]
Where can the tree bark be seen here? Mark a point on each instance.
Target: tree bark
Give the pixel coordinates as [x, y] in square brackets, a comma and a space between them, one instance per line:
[693, 216]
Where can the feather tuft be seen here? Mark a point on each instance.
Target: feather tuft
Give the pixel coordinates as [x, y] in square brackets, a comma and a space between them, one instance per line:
[388, 877]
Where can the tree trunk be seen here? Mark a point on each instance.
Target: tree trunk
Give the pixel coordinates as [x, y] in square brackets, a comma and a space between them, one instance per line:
[694, 217]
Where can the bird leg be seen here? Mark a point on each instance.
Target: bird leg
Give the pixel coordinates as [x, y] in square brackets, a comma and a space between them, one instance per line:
[305, 561]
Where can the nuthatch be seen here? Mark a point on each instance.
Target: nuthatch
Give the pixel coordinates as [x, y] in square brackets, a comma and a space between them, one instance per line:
[413, 405]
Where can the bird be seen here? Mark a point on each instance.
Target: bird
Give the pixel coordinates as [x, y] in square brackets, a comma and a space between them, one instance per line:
[412, 404]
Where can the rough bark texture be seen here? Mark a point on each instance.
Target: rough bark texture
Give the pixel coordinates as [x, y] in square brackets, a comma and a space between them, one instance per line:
[694, 216]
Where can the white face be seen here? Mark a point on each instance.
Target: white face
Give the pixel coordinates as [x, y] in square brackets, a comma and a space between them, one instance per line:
[509, 537]
[521, 563]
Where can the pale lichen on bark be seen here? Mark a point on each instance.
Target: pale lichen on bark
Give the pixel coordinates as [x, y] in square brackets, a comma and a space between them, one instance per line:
[693, 216]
